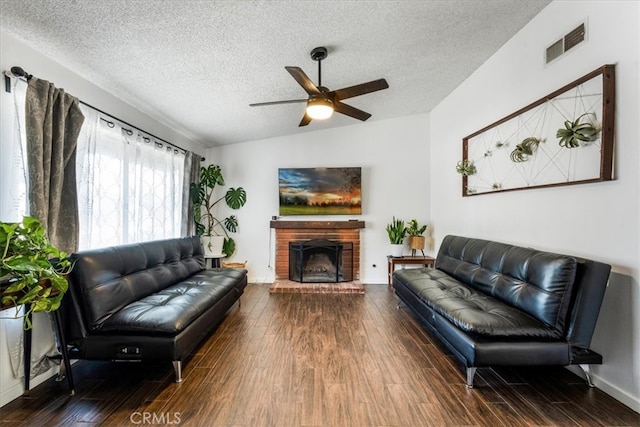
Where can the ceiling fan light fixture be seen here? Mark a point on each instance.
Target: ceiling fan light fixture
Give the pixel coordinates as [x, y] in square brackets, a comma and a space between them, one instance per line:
[319, 109]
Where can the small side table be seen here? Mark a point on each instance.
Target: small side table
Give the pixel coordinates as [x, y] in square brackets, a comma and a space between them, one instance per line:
[427, 261]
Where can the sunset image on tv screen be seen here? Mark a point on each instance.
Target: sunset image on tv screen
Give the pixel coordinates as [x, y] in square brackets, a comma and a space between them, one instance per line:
[320, 191]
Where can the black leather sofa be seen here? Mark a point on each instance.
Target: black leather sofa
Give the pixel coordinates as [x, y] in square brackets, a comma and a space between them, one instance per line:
[494, 304]
[151, 300]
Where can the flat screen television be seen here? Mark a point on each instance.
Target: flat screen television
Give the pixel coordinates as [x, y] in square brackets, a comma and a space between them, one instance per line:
[320, 191]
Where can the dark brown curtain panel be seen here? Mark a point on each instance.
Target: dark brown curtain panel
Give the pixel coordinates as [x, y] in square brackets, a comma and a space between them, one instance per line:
[191, 174]
[53, 122]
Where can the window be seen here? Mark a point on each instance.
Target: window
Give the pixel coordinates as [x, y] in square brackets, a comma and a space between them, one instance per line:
[13, 161]
[129, 185]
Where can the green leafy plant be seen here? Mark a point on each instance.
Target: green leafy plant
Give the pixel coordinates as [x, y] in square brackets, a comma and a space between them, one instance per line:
[525, 149]
[415, 229]
[31, 270]
[396, 231]
[575, 132]
[204, 201]
[465, 167]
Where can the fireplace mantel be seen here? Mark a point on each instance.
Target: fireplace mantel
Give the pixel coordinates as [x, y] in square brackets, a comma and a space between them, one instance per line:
[333, 225]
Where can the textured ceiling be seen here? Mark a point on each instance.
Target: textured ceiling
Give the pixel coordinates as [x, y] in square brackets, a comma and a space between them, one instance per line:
[197, 65]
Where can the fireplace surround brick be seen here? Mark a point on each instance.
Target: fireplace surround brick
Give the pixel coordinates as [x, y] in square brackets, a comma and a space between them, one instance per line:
[288, 231]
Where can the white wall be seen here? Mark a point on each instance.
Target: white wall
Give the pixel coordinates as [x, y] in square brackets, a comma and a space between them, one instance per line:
[15, 53]
[598, 221]
[394, 157]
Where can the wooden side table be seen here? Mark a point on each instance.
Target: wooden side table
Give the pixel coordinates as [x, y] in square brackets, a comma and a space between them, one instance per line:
[427, 261]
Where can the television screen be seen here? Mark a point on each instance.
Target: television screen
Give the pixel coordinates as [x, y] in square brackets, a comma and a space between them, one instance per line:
[320, 191]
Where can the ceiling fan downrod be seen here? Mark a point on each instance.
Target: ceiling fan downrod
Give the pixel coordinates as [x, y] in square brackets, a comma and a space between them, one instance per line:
[318, 54]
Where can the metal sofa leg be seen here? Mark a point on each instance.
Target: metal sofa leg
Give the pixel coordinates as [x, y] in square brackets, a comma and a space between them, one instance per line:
[177, 369]
[586, 369]
[471, 372]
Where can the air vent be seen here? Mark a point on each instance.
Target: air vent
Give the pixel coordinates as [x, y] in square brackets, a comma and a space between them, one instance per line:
[569, 41]
[555, 50]
[574, 37]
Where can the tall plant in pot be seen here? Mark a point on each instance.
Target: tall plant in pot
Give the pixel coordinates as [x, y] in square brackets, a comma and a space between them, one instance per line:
[213, 231]
[397, 233]
[32, 270]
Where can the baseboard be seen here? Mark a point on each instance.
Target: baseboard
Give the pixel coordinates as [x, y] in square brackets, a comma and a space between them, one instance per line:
[16, 389]
[622, 396]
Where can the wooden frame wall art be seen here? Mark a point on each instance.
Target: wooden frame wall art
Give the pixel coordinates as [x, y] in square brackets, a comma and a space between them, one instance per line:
[565, 138]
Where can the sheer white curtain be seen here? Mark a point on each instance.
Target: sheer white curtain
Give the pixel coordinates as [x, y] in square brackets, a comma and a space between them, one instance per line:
[13, 206]
[129, 185]
[13, 162]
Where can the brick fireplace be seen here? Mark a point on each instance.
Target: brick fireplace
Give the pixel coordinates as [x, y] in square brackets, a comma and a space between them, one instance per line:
[291, 231]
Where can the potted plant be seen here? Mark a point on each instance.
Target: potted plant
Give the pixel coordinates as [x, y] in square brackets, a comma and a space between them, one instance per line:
[213, 231]
[31, 270]
[416, 238]
[396, 232]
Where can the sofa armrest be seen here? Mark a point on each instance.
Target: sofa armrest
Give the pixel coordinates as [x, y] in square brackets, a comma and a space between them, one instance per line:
[591, 282]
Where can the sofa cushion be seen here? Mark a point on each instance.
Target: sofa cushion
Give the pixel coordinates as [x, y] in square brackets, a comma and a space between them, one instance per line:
[108, 279]
[469, 309]
[538, 283]
[170, 310]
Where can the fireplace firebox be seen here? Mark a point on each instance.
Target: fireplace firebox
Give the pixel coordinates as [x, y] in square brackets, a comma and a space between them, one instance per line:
[320, 261]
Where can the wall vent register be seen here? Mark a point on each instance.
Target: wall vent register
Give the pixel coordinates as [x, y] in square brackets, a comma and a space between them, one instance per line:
[569, 41]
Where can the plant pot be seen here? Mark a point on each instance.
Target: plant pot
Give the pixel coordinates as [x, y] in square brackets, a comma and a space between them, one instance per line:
[212, 246]
[396, 250]
[416, 242]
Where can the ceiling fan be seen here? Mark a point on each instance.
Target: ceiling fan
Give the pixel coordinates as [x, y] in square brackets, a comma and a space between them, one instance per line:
[322, 102]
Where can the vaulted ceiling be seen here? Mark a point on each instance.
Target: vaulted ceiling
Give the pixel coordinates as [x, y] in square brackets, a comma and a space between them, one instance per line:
[197, 65]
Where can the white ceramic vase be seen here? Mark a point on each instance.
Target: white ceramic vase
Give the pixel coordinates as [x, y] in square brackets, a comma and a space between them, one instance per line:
[212, 246]
[396, 250]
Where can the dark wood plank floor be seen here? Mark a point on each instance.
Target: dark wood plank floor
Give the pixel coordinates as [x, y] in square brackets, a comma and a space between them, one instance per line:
[317, 360]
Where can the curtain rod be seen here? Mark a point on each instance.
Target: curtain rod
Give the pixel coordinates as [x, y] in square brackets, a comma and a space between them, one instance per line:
[19, 72]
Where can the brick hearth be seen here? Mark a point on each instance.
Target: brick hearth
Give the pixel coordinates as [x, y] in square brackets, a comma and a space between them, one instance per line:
[288, 231]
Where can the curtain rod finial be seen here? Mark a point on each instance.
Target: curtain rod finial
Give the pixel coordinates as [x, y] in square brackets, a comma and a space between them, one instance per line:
[19, 72]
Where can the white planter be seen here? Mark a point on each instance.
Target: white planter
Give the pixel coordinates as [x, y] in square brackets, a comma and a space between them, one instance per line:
[396, 250]
[212, 246]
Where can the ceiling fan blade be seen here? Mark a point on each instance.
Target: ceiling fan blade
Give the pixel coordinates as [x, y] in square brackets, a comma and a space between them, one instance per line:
[350, 111]
[361, 89]
[291, 101]
[305, 120]
[303, 80]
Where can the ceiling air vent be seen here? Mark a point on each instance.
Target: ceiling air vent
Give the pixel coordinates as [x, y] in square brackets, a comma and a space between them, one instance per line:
[570, 40]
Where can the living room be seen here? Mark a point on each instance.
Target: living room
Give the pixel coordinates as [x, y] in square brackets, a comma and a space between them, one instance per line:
[596, 220]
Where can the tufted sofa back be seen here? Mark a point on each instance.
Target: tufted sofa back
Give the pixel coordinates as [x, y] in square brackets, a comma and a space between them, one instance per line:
[538, 283]
[105, 280]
